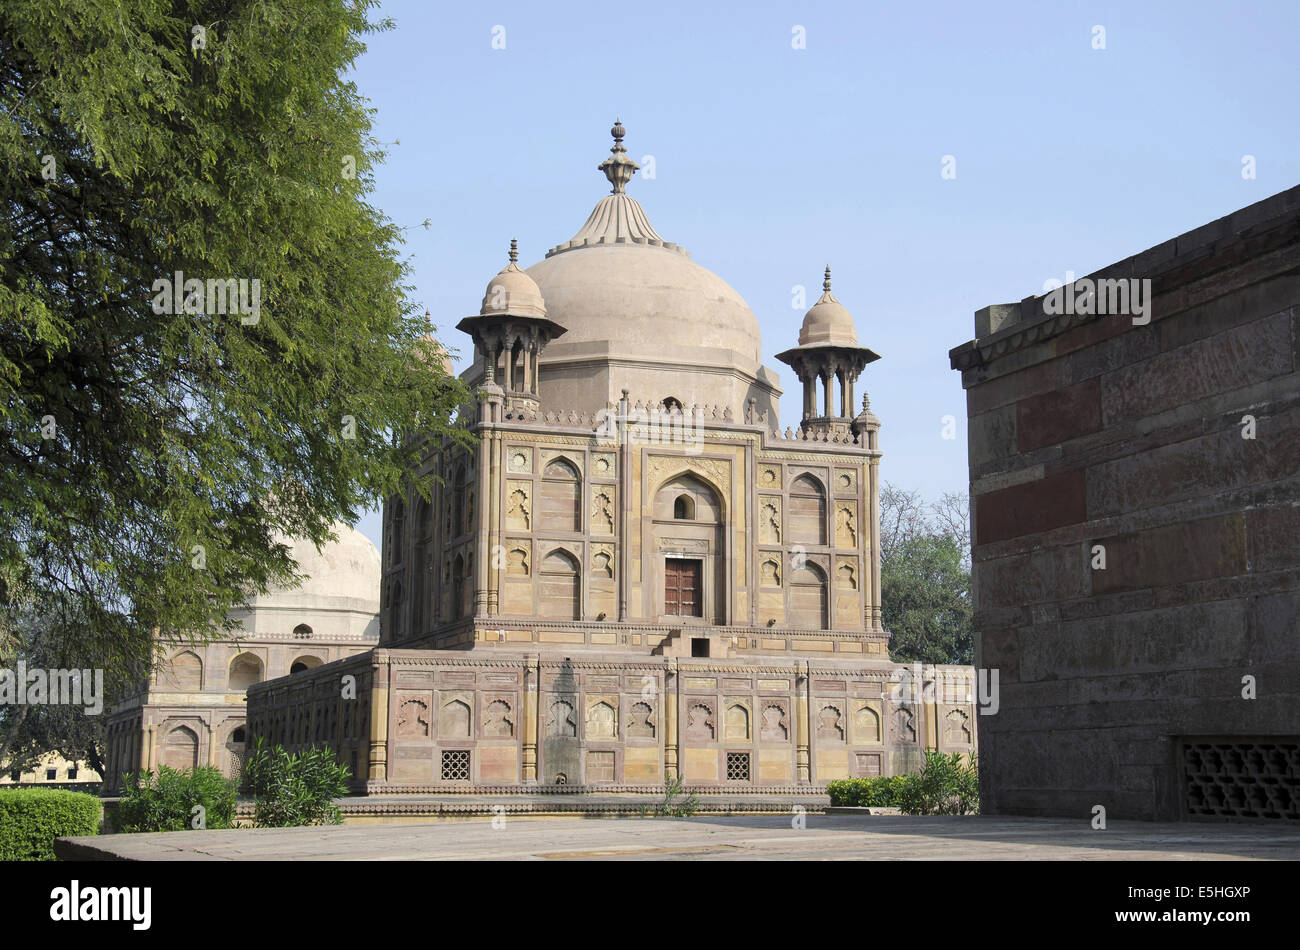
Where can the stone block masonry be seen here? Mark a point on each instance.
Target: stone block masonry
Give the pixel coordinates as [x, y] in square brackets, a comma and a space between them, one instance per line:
[1135, 496]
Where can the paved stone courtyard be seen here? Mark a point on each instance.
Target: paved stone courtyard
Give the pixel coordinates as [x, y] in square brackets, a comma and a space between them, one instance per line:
[762, 837]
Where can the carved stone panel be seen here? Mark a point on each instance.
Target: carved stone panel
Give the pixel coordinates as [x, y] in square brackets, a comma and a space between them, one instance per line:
[769, 519]
[414, 715]
[956, 728]
[736, 724]
[640, 723]
[499, 719]
[846, 527]
[602, 509]
[519, 459]
[846, 573]
[903, 725]
[454, 717]
[699, 722]
[715, 471]
[602, 721]
[830, 723]
[774, 728]
[519, 560]
[866, 725]
[519, 505]
[560, 720]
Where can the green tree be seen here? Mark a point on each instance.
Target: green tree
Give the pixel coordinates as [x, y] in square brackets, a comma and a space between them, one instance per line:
[76, 732]
[925, 578]
[149, 460]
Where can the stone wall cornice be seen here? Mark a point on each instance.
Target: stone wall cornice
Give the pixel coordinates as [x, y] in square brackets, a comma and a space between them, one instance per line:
[1253, 232]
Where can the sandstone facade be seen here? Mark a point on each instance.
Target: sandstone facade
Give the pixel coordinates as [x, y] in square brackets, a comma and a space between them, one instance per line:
[636, 576]
[192, 710]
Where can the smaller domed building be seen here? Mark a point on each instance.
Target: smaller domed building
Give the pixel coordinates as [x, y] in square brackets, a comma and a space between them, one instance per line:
[192, 711]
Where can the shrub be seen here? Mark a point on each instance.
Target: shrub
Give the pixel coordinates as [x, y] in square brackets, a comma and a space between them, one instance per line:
[294, 789]
[945, 786]
[674, 806]
[166, 801]
[880, 792]
[31, 818]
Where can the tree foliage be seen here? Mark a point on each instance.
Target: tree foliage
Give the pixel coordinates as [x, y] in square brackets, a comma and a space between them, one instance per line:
[925, 578]
[149, 462]
[60, 641]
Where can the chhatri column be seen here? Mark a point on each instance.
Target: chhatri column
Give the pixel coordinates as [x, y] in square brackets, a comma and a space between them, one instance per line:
[509, 349]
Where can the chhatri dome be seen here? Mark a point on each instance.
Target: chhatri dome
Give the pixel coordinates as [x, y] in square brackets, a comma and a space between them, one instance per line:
[636, 313]
[828, 321]
[512, 291]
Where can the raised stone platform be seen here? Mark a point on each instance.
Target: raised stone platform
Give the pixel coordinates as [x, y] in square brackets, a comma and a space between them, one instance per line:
[826, 837]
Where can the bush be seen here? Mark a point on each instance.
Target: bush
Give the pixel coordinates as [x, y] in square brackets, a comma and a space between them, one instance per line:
[294, 789]
[674, 806]
[945, 786]
[879, 792]
[31, 818]
[166, 801]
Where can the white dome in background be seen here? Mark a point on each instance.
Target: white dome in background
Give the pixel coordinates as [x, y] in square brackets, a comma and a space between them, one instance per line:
[347, 570]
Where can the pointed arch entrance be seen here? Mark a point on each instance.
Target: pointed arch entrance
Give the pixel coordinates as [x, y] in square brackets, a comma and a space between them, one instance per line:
[687, 555]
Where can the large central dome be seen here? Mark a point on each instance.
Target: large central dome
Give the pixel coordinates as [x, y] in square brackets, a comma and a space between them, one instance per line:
[643, 295]
[638, 313]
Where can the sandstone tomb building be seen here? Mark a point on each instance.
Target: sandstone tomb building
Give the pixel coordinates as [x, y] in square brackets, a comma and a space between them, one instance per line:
[636, 576]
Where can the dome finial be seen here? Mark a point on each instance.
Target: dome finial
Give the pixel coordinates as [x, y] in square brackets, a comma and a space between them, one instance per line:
[514, 251]
[618, 168]
[826, 283]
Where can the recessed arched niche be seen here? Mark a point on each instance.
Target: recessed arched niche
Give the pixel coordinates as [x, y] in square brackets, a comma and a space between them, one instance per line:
[688, 554]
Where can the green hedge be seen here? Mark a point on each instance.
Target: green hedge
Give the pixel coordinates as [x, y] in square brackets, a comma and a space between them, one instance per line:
[31, 818]
[882, 792]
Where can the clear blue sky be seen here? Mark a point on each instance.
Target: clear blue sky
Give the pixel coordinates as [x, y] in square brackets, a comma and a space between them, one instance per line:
[772, 162]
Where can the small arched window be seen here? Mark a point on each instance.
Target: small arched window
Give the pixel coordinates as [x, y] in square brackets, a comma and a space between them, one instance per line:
[684, 508]
[302, 632]
[304, 663]
[672, 404]
[245, 670]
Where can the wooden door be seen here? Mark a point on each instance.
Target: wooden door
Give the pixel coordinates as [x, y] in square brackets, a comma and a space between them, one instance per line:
[682, 588]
